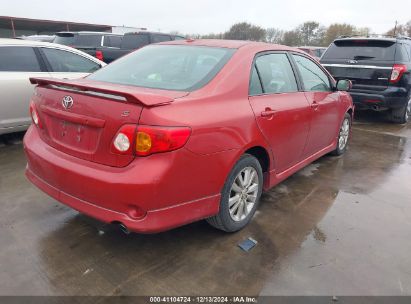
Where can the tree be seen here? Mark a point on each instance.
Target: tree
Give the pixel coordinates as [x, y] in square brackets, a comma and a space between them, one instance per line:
[245, 31]
[363, 31]
[337, 29]
[213, 36]
[274, 35]
[408, 28]
[309, 32]
[291, 38]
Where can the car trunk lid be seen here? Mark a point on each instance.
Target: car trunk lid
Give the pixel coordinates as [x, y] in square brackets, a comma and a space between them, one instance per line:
[82, 117]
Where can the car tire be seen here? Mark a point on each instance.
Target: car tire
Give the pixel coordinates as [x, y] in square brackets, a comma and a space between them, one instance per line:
[343, 135]
[240, 195]
[401, 115]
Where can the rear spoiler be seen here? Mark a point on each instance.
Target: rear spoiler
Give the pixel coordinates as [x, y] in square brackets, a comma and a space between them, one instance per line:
[99, 88]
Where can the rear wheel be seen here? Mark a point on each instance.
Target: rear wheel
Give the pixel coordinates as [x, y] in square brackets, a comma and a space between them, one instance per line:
[402, 115]
[240, 196]
[343, 135]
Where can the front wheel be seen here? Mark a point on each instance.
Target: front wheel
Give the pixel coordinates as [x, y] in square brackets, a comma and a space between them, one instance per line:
[343, 135]
[240, 195]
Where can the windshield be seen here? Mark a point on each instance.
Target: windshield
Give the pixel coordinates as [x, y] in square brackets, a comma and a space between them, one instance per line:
[376, 50]
[168, 67]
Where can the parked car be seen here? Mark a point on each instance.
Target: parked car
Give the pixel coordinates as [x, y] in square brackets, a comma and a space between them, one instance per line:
[183, 131]
[379, 68]
[22, 59]
[89, 42]
[314, 51]
[132, 41]
[44, 38]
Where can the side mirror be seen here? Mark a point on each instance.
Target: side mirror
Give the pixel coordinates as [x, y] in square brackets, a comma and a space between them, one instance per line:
[344, 85]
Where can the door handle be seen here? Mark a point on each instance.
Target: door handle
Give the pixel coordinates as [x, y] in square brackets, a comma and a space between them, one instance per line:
[267, 112]
[315, 105]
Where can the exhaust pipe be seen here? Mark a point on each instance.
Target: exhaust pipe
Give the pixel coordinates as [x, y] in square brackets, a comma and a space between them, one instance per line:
[123, 228]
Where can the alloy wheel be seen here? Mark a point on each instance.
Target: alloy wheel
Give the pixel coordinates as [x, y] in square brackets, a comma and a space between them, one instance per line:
[243, 194]
[344, 134]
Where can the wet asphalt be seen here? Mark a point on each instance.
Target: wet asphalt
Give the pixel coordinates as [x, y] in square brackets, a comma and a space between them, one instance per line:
[341, 226]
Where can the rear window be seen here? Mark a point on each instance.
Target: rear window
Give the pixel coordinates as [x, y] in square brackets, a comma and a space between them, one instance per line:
[134, 41]
[112, 41]
[92, 40]
[88, 40]
[168, 67]
[65, 39]
[376, 50]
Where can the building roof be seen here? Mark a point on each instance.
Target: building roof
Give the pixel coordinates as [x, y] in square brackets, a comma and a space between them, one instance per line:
[42, 25]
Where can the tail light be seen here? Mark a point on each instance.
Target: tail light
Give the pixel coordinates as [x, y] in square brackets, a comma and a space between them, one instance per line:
[146, 140]
[151, 139]
[397, 71]
[99, 55]
[34, 115]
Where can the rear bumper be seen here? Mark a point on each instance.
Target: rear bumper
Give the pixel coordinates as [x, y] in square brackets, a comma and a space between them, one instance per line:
[154, 184]
[390, 98]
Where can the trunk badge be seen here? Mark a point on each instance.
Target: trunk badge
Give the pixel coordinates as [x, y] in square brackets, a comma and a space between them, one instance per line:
[352, 61]
[67, 102]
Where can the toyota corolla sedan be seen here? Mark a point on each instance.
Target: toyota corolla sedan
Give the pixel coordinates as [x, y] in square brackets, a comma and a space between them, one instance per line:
[183, 131]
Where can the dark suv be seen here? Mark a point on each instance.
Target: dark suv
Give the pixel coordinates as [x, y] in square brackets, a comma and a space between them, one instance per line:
[132, 41]
[379, 69]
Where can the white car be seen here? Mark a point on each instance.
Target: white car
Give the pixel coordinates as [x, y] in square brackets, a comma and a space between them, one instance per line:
[22, 59]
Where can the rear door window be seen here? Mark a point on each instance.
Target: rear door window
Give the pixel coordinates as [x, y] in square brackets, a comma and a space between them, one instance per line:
[376, 50]
[64, 61]
[135, 41]
[276, 73]
[313, 77]
[18, 59]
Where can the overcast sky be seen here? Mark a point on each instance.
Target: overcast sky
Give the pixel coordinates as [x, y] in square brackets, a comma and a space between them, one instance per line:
[204, 16]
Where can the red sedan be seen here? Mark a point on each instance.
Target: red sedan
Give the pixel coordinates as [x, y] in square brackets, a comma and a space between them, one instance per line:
[183, 131]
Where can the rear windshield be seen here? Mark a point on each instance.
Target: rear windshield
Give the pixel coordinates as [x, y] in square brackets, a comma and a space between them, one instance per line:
[135, 41]
[378, 50]
[168, 67]
[65, 39]
[92, 40]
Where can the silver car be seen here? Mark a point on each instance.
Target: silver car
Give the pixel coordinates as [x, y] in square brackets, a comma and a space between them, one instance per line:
[22, 59]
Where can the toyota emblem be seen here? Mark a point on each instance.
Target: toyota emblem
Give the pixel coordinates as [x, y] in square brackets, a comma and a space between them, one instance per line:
[67, 102]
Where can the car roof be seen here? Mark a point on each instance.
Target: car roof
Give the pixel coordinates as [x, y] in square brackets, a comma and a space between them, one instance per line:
[149, 32]
[367, 38]
[34, 43]
[231, 44]
[10, 41]
[88, 33]
[311, 47]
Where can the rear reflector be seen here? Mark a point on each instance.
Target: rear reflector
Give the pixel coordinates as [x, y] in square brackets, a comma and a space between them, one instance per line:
[397, 71]
[153, 139]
